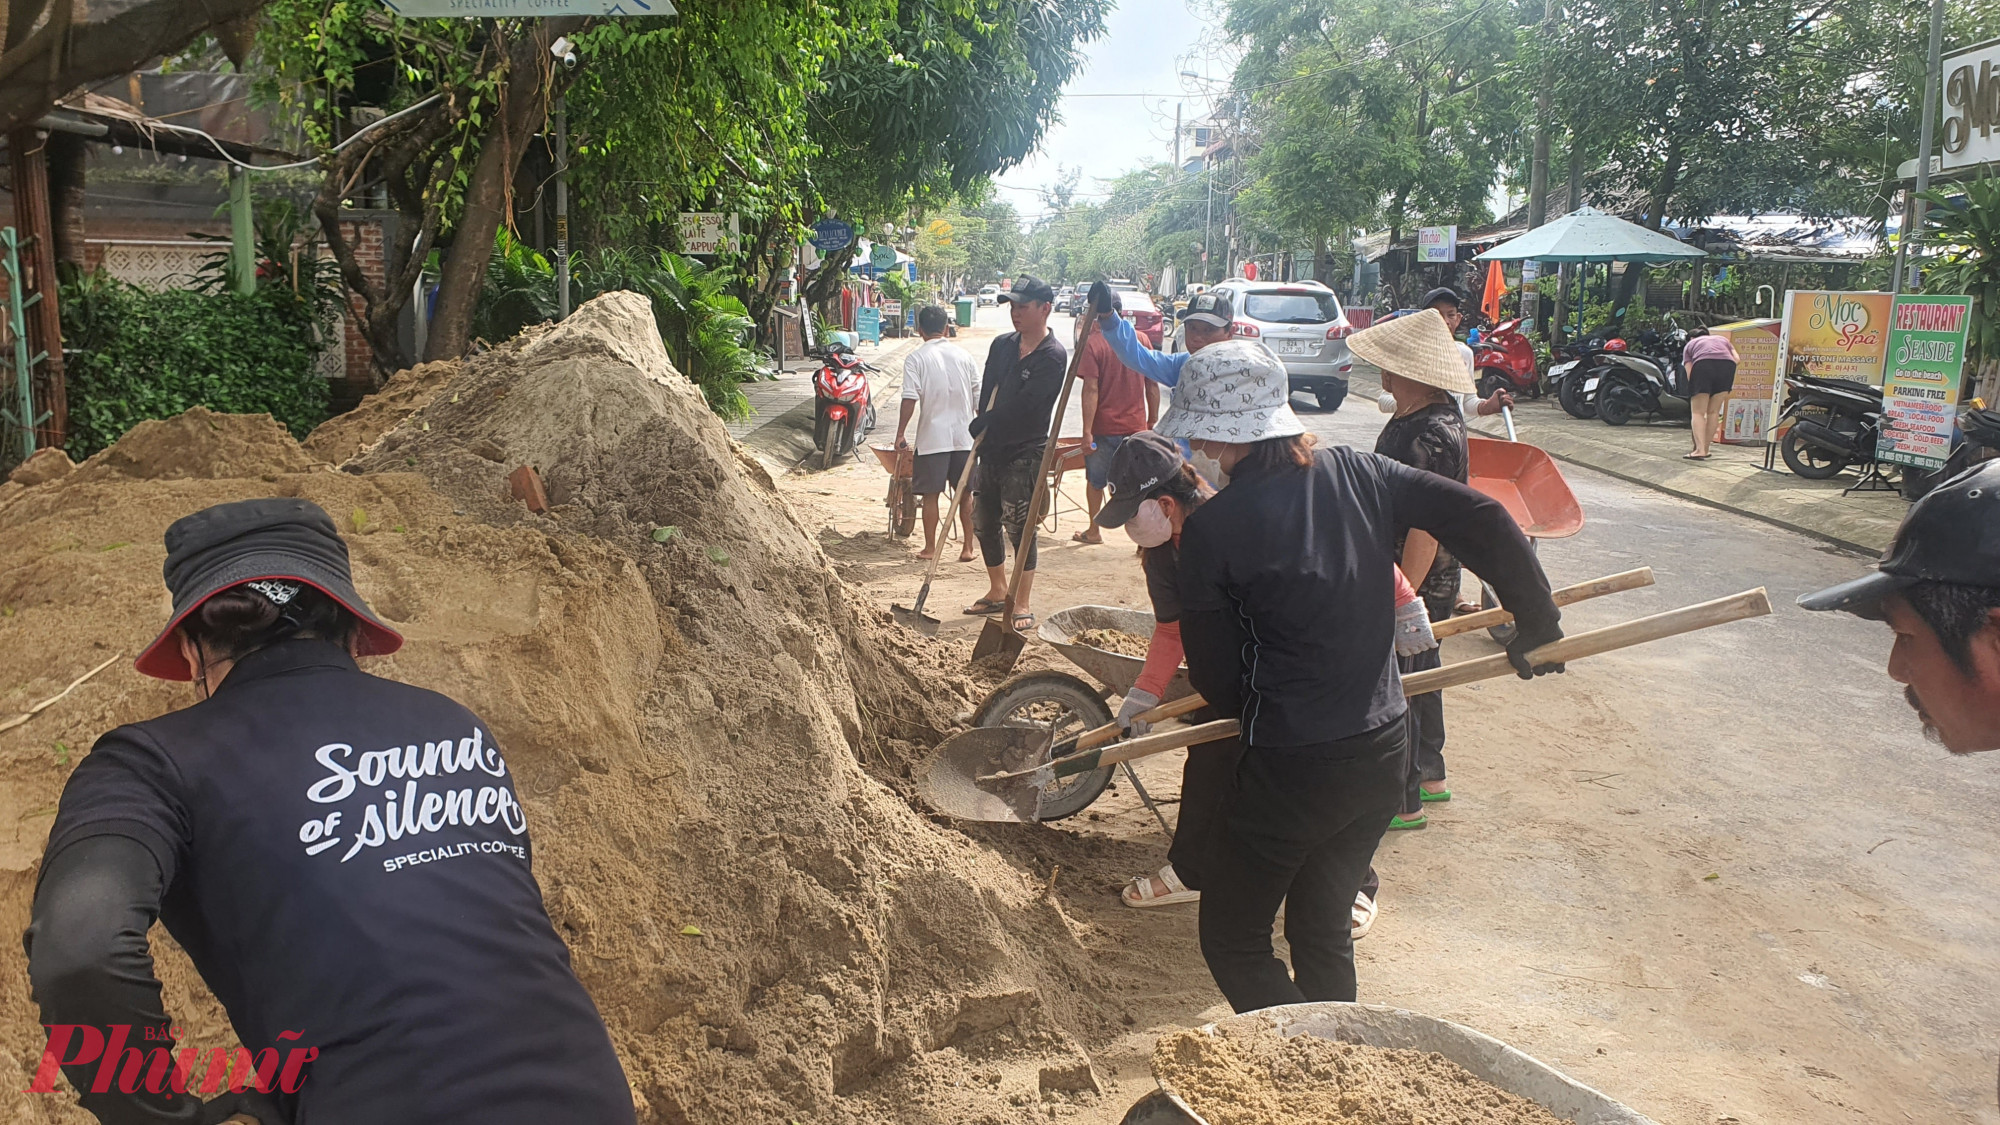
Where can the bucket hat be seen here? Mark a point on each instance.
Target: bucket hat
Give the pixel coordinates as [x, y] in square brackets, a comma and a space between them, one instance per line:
[1951, 535]
[228, 545]
[1234, 391]
[1417, 347]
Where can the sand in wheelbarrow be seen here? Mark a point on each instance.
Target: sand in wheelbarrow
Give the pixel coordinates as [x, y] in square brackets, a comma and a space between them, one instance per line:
[708, 729]
[1114, 640]
[1231, 1078]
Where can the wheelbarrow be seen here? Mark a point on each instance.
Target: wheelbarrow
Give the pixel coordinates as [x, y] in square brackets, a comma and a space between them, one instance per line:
[901, 465]
[1487, 1058]
[1527, 483]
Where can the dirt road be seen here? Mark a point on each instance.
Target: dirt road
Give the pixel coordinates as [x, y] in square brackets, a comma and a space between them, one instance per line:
[1721, 878]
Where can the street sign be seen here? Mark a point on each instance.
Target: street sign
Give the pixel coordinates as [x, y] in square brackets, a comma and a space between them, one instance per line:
[830, 235]
[707, 233]
[1437, 244]
[1920, 399]
[868, 324]
[1971, 107]
[883, 257]
[455, 9]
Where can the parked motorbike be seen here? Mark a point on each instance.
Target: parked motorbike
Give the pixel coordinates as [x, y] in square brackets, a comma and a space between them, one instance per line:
[1505, 359]
[1575, 381]
[843, 408]
[1648, 381]
[1979, 440]
[1834, 423]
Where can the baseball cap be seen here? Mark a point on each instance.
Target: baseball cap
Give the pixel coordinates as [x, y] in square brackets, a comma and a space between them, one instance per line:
[1213, 307]
[1951, 535]
[1029, 288]
[1141, 463]
[1442, 293]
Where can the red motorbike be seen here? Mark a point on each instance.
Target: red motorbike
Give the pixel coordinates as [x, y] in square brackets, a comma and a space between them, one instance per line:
[843, 408]
[1505, 359]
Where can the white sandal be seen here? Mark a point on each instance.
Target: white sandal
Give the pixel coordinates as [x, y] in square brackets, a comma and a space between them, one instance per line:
[1139, 895]
[1365, 910]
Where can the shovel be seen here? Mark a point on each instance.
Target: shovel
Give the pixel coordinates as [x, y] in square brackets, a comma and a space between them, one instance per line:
[996, 773]
[1568, 595]
[999, 640]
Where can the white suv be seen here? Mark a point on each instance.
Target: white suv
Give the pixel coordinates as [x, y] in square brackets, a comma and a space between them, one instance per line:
[1303, 324]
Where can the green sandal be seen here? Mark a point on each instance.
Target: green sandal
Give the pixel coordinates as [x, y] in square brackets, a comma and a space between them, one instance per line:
[1397, 823]
[1440, 795]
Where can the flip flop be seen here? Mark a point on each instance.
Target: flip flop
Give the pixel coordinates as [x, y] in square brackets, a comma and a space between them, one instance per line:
[1691, 456]
[1019, 618]
[983, 606]
[1081, 537]
[1398, 824]
[1365, 910]
[1138, 894]
[1440, 795]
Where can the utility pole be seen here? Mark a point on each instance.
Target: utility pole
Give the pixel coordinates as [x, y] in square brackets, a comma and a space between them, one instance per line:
[1913, 215]
[1177, 137]
[1538, 174]
[562, 209]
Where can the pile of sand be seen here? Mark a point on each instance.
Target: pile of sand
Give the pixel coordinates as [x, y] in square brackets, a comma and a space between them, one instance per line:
[1235, 1079]
[706, 731]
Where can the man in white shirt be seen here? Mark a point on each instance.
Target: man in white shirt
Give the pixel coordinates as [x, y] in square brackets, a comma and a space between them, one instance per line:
[941, 387]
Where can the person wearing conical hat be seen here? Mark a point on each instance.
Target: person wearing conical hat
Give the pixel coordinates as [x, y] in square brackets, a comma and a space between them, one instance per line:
[1424, 373]
[1286, 582]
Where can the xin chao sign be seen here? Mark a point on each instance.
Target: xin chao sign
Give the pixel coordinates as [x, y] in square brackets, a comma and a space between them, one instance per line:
[1437, 244]
[1926, 359]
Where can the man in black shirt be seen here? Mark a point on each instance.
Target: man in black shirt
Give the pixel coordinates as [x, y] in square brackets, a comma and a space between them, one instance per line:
[1023, 379]
[1288, 607]
[343, 857]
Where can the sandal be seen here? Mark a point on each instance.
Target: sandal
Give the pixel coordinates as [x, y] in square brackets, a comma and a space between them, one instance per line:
[1138, 894]
[1365, 910]
[1023, 622]
[1693, 456]
[1399, 823]
[1084, 538]
[1438, 795]
[983, 606]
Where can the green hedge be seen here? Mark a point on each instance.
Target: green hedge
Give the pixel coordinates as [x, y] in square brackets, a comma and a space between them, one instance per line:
[130, 355]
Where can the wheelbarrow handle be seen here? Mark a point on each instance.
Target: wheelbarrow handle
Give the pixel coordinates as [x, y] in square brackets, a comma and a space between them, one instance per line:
[1098, 736]
[1568, 595]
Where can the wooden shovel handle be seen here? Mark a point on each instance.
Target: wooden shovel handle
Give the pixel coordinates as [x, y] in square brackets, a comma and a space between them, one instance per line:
[1568, 595]
[1101, 735]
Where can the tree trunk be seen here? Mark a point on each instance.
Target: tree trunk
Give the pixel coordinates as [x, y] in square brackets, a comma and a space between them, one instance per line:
[66, 201]
[1656, 209]
[524, 106]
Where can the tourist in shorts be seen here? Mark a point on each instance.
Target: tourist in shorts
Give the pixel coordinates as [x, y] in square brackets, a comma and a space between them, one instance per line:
[1711, 366]
[940, 387]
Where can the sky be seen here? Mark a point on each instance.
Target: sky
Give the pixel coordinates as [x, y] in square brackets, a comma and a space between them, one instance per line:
[1146, 46]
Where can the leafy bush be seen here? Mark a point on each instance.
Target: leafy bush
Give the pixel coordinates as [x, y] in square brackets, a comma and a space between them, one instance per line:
[130, 355]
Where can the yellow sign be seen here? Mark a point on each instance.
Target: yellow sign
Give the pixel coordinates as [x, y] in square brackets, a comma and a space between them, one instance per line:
[1749, 411]
[1837, 335]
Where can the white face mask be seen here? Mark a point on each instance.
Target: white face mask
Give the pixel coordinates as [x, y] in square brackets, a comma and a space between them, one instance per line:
[1149, 526]
[1385, 402]
[1209, 469]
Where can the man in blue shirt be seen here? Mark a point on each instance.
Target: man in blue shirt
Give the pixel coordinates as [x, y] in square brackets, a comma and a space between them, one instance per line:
[1207, 319]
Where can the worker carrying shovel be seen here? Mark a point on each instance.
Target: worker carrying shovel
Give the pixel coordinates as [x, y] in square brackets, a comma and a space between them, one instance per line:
[1288, 621]
[343, 857]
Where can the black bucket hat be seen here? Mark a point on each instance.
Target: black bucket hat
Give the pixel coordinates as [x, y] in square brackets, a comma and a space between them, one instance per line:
[1141, 464]
[1951, 535]
[228, 545]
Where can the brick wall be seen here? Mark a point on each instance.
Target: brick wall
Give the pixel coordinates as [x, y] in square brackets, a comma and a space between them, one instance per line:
[365, 234]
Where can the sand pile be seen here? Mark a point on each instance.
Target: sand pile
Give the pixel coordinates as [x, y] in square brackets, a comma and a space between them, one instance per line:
[705, 731]
[1258, 1079]
[406, 392]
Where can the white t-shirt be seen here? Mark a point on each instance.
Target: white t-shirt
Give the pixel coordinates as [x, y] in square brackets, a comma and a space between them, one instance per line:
[1468, 405]
[945, 382]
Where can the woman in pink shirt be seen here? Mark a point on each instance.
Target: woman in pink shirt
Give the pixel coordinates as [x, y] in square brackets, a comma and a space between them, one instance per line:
[1711, 367]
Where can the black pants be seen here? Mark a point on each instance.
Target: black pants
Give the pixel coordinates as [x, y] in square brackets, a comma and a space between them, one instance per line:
[1208, 782]
[1301, 830]
[1426, 737]
[1005, 490]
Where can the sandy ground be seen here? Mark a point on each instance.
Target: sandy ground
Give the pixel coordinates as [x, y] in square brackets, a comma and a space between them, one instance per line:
[1721, 878]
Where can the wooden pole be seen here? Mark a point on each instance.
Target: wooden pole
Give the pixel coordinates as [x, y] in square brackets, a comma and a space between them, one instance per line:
[38, 272]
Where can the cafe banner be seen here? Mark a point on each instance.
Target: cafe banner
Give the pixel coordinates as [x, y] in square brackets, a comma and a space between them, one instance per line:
[1920, 399]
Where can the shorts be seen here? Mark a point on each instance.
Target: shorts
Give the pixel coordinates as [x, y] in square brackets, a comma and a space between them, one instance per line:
[1712, 377]
[1097, 463]
[936, 470]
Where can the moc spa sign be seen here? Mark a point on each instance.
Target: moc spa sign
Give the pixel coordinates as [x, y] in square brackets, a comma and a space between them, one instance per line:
[1971, 107]
[1920, 396]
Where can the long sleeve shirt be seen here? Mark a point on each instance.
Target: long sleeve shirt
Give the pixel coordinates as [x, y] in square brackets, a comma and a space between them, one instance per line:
[1163, 368]
[1288, 592]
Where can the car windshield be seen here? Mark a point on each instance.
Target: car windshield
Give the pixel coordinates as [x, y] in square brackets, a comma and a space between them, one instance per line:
[1291, 306]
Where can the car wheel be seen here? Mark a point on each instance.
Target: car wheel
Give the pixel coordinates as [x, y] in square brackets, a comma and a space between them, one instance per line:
[1330, 396]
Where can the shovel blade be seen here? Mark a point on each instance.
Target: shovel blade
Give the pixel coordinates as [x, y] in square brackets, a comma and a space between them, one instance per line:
[915, 619]
[998, 644]
[950, 781]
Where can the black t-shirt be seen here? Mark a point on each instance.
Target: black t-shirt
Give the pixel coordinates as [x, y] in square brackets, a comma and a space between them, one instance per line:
[1163, 581]
[1431, 439]
[344, 857]
[1023, 390]
[1287, 601]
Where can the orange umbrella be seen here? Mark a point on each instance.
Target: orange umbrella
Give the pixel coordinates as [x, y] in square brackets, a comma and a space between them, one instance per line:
[1496, 285]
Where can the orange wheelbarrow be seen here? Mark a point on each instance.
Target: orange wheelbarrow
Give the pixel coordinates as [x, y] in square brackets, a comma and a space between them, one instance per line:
[901, 465]
[1527, 483]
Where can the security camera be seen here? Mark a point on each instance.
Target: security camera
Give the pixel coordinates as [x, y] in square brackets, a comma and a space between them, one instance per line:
[565, 50]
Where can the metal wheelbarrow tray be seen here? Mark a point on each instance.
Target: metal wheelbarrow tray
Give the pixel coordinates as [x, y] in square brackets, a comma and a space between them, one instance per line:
[1116, 671]
[1527, 483]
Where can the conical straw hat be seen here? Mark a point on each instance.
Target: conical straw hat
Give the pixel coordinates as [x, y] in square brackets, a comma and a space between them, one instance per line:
[1419, 348]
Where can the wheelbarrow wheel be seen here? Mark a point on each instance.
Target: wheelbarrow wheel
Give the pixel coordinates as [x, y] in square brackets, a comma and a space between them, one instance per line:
[1503, 633]
[1057, 700]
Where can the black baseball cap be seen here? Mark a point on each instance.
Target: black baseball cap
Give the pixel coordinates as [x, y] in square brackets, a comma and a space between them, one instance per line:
[1142, 462]
[1442, 293]
[1213, 307]
[1951, 535]
[1029, 288]
[228, 545]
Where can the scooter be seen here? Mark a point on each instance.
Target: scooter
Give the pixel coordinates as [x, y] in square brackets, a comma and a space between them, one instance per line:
[1833, 423]
[843, 408]
[1648, 382]
[1575, 382]
[1505, 359]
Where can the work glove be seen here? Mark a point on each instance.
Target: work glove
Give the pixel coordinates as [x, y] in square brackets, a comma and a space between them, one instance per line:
[1413, 629]
[1100, 298]
[1138, 701]
[977, 426]
[1528, 640]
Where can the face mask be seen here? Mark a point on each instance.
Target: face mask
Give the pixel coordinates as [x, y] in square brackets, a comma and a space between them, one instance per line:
[1209, 469]
[1385, 402]
[1149, 526]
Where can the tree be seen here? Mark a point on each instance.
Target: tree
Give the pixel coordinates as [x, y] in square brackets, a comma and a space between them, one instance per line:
[57, 46]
